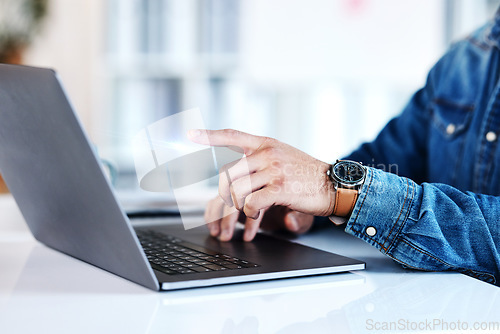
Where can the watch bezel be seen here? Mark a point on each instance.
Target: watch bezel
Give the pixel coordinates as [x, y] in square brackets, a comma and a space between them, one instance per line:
[344, 183]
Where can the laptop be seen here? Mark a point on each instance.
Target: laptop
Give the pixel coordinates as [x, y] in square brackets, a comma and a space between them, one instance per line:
[69, 205]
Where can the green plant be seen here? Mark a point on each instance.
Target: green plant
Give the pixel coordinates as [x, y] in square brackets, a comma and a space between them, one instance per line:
[20, 20]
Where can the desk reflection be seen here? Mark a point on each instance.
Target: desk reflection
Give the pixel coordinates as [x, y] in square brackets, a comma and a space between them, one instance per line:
[418, 303]
[55, 293]
[58, 294]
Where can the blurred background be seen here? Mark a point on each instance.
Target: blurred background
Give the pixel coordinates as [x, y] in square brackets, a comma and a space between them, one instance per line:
[322, 75]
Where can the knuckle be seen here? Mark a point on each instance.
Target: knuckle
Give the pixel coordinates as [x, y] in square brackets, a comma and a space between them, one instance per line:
[225, 196]
[250, 206]
[269, 151]
[248, 212]
[274, 155]
[277, 164]
[231, 132]
[269, 141]
[276, 181]
[223, 182]
[223, 189]
[226, 199]
[224, 179]
[237, 193]
[242, 185]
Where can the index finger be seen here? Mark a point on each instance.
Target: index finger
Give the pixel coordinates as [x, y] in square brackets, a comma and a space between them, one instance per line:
[226, 137]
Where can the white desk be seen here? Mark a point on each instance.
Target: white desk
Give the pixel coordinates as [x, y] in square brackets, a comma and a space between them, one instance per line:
[43, 291]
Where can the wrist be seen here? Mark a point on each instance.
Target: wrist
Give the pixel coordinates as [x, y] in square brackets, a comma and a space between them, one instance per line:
[347, 177]
[329, 191]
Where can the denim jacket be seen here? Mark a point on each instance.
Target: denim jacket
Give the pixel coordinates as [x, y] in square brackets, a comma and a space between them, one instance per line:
[431, 199]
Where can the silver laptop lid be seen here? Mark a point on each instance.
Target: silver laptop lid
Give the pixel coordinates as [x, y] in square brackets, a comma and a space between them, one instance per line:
[56, 179]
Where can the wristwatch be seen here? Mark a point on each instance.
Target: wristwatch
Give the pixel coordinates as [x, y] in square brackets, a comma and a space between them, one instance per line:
[347, 178]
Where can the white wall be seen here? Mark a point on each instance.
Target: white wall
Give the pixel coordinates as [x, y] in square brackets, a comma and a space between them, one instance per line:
[71, 42]
[306, 40]
[310, 72]
[338, 69]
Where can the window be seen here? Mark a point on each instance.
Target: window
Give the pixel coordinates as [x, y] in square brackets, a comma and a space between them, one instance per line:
[321, 75]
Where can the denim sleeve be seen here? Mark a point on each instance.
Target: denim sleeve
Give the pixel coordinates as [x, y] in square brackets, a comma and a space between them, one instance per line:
[432, 227]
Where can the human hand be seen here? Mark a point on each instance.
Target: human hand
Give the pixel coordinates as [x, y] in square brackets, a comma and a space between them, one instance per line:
[270, 174]
[222, 220]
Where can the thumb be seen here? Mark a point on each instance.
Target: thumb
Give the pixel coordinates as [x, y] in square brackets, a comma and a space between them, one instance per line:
[298, 222]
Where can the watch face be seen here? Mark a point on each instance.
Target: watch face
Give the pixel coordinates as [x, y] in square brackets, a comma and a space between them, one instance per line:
[349, 172]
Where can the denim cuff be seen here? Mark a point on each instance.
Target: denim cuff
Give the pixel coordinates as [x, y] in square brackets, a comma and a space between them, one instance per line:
[381, 211]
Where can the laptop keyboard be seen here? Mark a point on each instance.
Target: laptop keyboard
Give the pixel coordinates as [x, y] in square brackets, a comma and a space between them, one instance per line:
[174, 256]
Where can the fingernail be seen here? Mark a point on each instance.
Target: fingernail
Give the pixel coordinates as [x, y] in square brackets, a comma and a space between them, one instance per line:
[225, 235]
[213, 231]
[248, 235]
[294, 225]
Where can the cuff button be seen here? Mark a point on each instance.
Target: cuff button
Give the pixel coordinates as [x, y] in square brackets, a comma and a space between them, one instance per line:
[371, 231]
[450, 129]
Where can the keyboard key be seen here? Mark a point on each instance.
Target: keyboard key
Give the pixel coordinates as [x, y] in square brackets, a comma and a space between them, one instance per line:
[245, 264]
[196, 260]
[224, 263]
[197, 254]
[169, 272]
[203, 263]
[232, 266]
[176, 268]
[216, 260]
[200, 269]
[186, 271]
[174, 256]
[214, 267]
